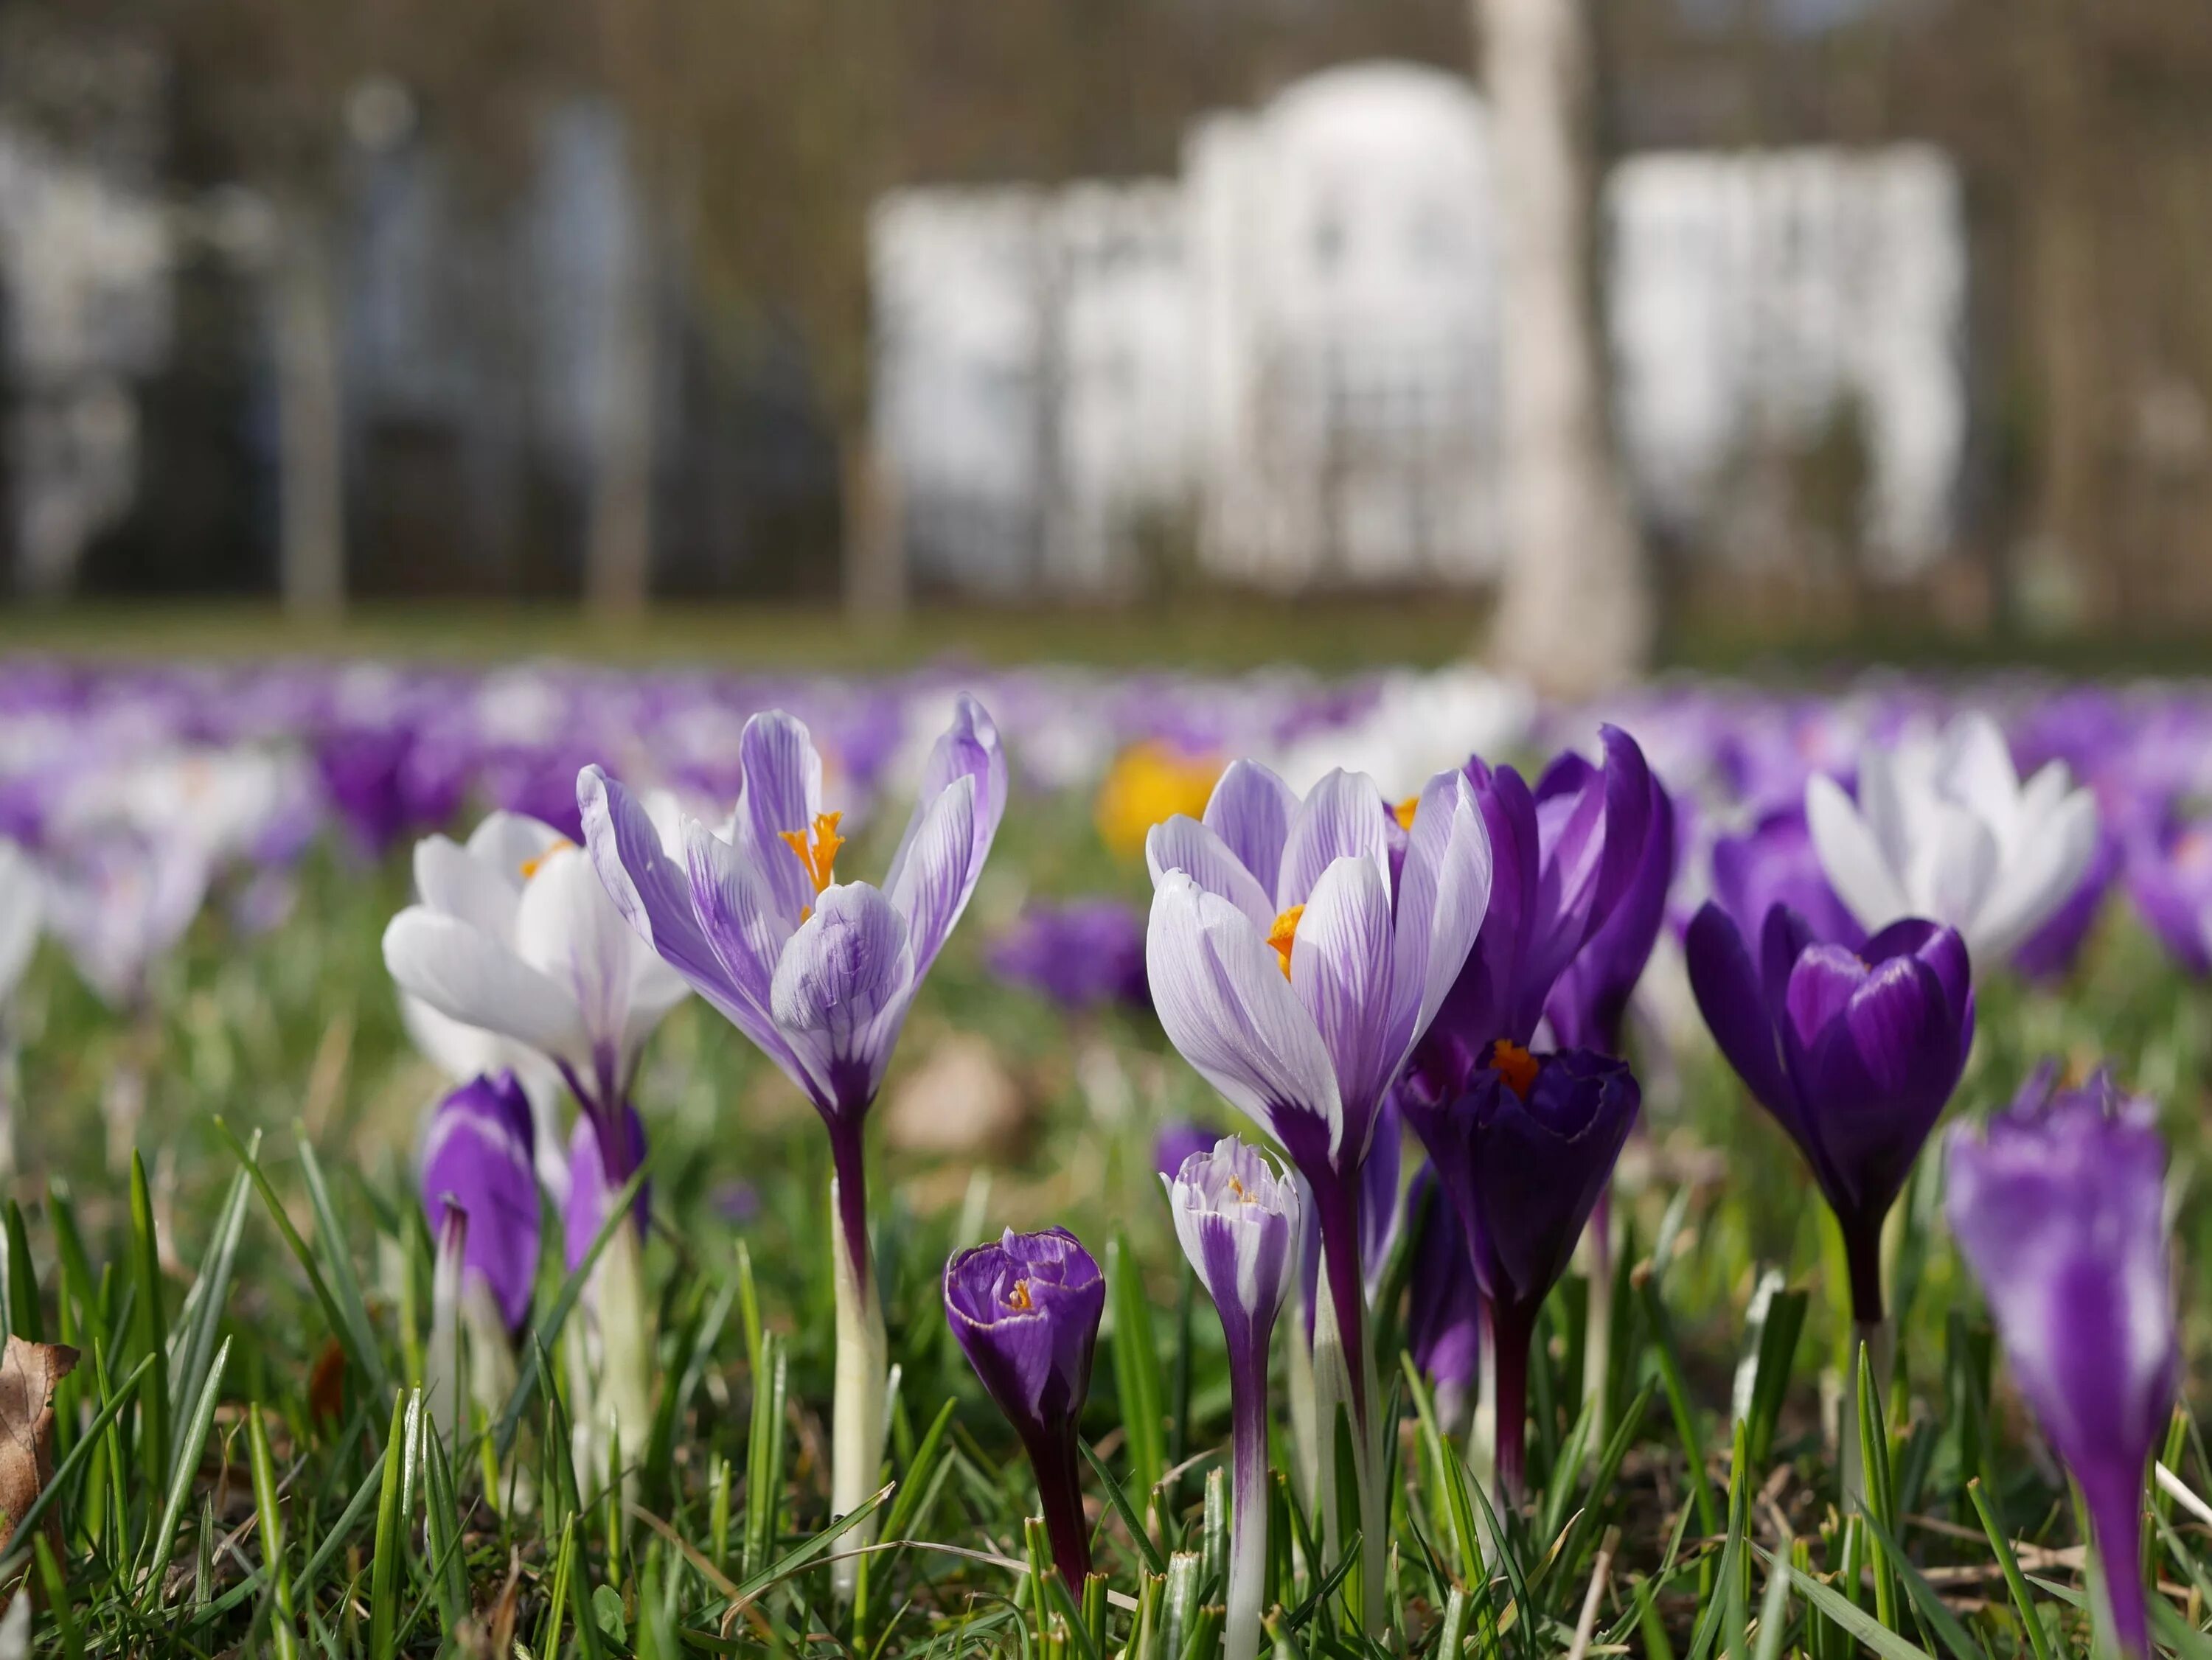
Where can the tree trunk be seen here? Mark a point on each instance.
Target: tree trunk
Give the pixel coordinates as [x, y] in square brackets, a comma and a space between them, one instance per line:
[1576, 611]
[311, 484]
[618, 555]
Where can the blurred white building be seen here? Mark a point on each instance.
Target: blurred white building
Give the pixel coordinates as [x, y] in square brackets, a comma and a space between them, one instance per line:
[85, 259]
[1288, 357]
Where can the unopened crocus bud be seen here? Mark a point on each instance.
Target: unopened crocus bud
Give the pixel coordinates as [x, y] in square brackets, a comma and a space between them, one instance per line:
[1443, 1318]
[2058, 1210]
[1238, 1220]
[478, 1157]
[1523, 1155]
[1026, 1311]
[480, 1194]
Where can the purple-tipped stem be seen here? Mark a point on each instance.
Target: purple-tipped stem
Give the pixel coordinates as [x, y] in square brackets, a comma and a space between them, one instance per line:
[1863, 1256]
[1056, 1462]
[848, 1159]
[2116, 1509]
[1336, 1212]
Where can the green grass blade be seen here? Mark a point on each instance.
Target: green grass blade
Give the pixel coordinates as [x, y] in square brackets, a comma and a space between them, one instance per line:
[153, 1336]
[345, 1287]
[388, 1559]
[1136, 1367]
[1852, 1618]
[1154, 1562]
[200, 1319]
[187, 1466]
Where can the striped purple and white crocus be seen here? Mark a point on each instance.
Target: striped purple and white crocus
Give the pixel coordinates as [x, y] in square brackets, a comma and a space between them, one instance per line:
[1297, 950]
[818, 972]
[1238, 1220]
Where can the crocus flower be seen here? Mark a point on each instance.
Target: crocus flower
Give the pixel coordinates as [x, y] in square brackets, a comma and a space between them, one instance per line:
[1943, 828]
[480, 1194]
[1026, 1312]
[1087, 954]
[2058, 1209]
[1589, 1003]
[1853, 1053]
[1773, 862]
[1443, 1316]
[514, 934]
[2169, 877]
[1237, 1219]
[1567, 856]
[477, 1157]
[818, 972]
[1522, 1154]
[1297, 951]
[1176, 1142]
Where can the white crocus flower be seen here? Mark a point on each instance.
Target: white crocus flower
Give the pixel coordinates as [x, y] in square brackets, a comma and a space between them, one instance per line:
[514, 934]
[1944, 829]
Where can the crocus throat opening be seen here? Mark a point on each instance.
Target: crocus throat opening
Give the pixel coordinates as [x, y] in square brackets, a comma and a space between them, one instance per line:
[1019, 1296]
[817, 849]
[1284, 934]
[1514, 1064]
[531, 867]
[1404, 811]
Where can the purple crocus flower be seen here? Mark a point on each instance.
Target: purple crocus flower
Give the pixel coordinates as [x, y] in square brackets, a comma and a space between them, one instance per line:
[1026, 1312]
[1853, 1053]
[1238, 1218]
[2169, 877]
[478, 1158]
[1443, 1320]
[818, 973]
[1589, 1003]
[2058, 1209]
[1773, 862]
[1523, 1155]
[1566, 857]
[1087, 954]
[1297, 951]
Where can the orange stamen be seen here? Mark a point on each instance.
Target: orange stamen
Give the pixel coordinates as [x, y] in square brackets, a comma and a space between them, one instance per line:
[1019, 1296]
[1404, 811]
[530, 867]
[817, 849]
[1285, 931]
[1515, 1065]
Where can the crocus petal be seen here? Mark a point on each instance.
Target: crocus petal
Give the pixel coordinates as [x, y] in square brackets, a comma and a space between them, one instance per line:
[1854, 861]
[2048, 867]
[1251, 811]
[1341, 971]
[569, 930]
[479, 1154]
[1222, 998]
[968, 748]
[1821, 985]
[848, 964]
[1182, 843]
[1345, 816]
[451, 879]
[1444, 893]
[1726, 987]
[470, 977]
[781, 793]
[1981, 772]
[938, 872]
[1952, 865]
[504, 842]
[651, 888]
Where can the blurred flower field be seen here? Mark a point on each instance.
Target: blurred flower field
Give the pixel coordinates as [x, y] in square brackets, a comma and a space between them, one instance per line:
[315, 1407]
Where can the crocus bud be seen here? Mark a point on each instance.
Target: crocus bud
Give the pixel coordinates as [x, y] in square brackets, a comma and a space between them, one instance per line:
[478, 1158]
[1443, 1318]
[1238, 1218]
[1523, 1155]
[2057, 1210]
[1026, 1312]
[1854, 1052]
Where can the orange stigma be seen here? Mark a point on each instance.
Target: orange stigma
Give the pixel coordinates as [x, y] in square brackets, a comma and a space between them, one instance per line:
[531, 867]
[817, 849]
[1514, 1064]
[1285, 931]
[1404, 811]
[1019, 1296]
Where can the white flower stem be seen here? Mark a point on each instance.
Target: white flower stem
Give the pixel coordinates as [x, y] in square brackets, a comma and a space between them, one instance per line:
[858, 1408]
[1248, 1516]
[1597, 1331]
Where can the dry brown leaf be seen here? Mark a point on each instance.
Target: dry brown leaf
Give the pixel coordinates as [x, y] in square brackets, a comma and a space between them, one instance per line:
[28, 1373]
